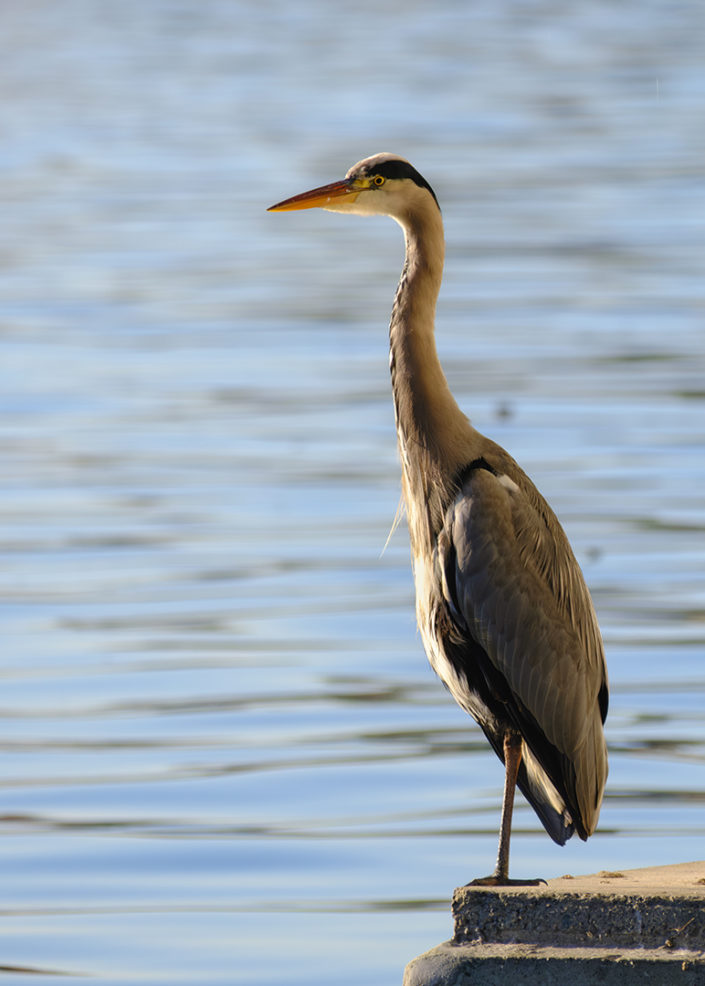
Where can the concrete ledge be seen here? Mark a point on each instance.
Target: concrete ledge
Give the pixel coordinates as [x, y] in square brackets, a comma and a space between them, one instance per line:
[522, 965]
[634, 928]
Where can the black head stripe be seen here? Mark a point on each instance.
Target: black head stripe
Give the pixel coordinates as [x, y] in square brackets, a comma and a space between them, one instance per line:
[402, 169]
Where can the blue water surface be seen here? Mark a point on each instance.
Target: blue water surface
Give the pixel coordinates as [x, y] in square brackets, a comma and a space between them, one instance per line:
[224, 756]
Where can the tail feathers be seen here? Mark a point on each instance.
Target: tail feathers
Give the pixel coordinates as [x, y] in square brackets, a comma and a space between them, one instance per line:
[584, 777]
[584, 782]
[545, 799]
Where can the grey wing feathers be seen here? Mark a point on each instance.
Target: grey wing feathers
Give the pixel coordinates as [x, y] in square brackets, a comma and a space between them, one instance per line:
[512, 584]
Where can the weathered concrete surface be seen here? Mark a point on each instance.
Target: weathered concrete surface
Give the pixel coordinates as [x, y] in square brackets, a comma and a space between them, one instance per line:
[644, 927]
[523, 965]
[635, 908]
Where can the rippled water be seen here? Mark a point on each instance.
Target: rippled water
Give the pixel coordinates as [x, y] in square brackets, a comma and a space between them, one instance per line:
[224, 757]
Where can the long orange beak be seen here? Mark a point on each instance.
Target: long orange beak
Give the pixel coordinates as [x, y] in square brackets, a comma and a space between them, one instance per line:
[317, 197]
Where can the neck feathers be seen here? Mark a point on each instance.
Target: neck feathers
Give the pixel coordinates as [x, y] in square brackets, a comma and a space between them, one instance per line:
[434, 436]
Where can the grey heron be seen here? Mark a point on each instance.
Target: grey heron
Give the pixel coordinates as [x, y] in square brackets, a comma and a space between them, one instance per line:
[505, 615]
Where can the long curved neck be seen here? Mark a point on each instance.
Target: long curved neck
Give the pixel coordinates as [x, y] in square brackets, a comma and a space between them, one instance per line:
[432, 432]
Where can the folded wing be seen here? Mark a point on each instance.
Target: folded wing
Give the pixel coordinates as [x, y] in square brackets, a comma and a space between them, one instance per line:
[523, 631]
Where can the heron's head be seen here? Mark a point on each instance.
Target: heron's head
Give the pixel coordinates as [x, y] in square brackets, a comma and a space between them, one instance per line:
[384, 184]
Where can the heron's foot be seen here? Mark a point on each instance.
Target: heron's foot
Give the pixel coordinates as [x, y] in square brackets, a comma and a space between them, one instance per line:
[497, 880]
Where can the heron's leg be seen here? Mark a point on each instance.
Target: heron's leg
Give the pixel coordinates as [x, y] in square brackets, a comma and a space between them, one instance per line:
[512, 759]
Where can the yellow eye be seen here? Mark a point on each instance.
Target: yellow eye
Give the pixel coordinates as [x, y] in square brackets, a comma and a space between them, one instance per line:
[378, 180]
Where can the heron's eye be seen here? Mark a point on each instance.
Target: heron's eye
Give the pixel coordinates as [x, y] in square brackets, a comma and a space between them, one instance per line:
[378, 180]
